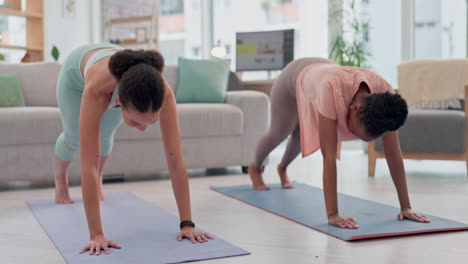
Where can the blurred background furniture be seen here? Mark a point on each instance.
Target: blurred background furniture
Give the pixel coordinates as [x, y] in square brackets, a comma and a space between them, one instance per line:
[213, 135]
[437, 124]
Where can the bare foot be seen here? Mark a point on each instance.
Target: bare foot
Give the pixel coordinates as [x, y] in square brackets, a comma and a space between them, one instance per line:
[284, 178]
[61, 182]
[61, 194]
[257, 180]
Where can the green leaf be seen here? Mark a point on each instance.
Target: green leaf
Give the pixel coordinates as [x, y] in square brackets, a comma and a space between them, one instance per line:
[2, 57]
[335, 16]
[349, 47]
[55, 53]
[266, 4]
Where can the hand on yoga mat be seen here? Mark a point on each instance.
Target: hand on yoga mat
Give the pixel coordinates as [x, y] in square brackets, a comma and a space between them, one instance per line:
[412, 215]
[342, 221]
[97, 243]
[194, 235]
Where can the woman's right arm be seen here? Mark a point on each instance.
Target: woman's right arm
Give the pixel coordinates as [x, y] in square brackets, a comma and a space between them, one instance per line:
[328, 146]
[93, 106]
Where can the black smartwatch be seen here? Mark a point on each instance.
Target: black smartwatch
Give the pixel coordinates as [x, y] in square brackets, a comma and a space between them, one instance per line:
[186, 223]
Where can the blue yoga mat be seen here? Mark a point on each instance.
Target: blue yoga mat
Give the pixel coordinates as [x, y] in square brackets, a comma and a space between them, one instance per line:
[146, 233]
[305, 205]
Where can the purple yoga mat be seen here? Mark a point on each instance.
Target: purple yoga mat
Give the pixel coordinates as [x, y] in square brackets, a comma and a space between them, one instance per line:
[305, 205]
[146, 233]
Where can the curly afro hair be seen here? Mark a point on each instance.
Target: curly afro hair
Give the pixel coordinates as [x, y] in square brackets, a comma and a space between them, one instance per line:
[383, 112]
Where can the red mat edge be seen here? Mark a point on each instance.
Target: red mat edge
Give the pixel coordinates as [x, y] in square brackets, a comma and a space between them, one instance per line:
[354, 238]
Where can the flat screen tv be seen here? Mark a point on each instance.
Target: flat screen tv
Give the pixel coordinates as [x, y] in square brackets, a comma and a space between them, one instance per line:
[264, 50]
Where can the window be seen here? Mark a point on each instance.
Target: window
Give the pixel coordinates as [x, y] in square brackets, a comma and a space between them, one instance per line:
[13, 33]
[439, 29]
[280, 11]
[179, 28]
[12, 55]
[384, 37]
[169, 7]
[196, 51]
[438, 32]
[129, 23]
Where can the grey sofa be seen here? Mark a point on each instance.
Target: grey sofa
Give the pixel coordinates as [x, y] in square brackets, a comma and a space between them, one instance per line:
[213, 135]
[429, 135]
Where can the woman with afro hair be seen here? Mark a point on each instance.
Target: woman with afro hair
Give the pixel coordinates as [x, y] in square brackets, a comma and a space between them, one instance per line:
[319, 104]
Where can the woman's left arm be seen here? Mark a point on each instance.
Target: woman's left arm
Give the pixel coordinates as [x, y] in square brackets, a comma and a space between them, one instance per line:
[394, 159]
[170, 130]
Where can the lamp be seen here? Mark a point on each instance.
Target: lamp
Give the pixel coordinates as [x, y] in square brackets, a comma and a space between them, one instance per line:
[219, 51]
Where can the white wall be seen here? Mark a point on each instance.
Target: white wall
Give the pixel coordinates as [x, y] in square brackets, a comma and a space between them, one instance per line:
[68, 33]
[313, 29]
[385, 38]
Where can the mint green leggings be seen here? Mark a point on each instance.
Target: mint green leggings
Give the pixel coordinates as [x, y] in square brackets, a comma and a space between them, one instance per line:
[70, 87]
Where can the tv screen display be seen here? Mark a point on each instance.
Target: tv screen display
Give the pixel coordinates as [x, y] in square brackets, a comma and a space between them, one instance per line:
[264, 50]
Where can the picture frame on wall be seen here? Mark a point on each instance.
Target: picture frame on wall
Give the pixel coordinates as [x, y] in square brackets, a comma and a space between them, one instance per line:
[141, 34]
[69, 8]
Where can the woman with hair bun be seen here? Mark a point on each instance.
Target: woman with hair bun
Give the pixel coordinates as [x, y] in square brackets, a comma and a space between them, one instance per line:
[99, 86]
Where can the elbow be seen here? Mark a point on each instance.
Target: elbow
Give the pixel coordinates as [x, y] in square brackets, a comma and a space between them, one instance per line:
[329, 156]
[177, 169]
[329, 161]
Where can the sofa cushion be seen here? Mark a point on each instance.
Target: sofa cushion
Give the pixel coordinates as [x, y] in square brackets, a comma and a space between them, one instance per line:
[42, 125]
[202, 81]
[38, 81]
[196, 120]
[432, 131]
[29, 125]
[170, 73]
[450, 104]
[10, 90]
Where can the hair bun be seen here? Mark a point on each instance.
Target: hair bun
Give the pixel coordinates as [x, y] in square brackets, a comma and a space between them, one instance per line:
[121, 61]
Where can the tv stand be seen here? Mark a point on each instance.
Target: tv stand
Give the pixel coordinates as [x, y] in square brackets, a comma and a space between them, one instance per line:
[259, 85]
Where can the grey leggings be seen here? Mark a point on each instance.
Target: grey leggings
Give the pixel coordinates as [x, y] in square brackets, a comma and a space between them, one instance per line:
[284, 115]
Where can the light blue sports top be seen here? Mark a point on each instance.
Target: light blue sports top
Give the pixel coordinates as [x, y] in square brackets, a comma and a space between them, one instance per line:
[97, 56]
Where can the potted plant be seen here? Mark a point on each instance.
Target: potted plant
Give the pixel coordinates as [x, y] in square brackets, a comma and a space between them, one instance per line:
[349, 48]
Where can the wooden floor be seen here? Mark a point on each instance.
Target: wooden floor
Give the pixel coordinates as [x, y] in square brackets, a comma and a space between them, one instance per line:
[437, 188]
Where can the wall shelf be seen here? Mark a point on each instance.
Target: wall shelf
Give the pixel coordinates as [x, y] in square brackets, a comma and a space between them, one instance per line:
[33, 12]
[19, 13]
[4, 46]
[129, 20]
[150, 43]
